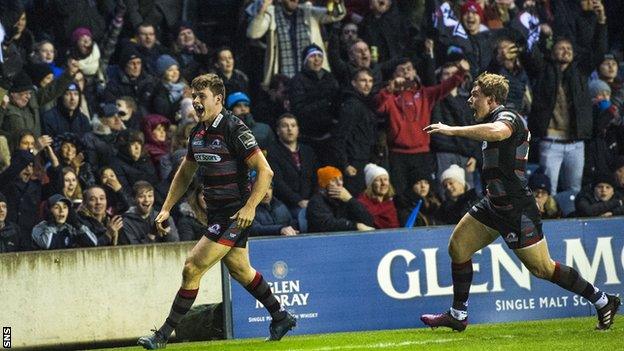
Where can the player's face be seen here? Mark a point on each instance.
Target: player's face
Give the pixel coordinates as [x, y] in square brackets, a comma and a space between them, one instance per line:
[206, 104]
[603, 191]
[479, 103]
[288, 130]
[60, 212]
[421, 188]
[453, 188]
[145, 201]
[381, 185]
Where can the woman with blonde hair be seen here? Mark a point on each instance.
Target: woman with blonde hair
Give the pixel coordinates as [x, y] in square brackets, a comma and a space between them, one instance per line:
[378, 197]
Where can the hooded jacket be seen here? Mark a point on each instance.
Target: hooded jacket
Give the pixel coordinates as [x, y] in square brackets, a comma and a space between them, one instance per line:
[154, 148]
[57, 120]
[136, 228]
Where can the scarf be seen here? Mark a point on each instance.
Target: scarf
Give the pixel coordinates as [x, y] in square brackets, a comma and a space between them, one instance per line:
[175, 90]
[289, 51]
[90, 64]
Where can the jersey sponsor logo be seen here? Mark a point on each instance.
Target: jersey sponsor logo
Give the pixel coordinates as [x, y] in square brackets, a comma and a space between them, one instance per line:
[511, 237]
[217, 121]
[205, 157]
[216, 144]
[215, 229]
[198, 142]
[248, 140]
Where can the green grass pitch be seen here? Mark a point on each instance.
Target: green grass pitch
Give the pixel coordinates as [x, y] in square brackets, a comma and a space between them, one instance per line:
[556, 335]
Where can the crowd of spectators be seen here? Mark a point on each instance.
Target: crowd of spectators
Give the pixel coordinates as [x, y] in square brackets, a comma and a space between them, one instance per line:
[96, 110]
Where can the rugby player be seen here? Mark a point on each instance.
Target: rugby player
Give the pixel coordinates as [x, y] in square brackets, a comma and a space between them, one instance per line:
[221, 150]
[508, 209]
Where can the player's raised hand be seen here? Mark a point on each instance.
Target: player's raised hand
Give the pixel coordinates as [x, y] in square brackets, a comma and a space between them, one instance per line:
[439, 128]
[244, 217]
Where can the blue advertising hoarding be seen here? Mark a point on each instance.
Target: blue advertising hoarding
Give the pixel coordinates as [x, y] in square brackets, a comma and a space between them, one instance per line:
[387, 279]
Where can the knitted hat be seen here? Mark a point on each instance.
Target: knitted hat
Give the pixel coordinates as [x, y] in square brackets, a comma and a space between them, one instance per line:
[597, 86]
[20, 160]
[52, 200]
[606, 178]
[418, 175]
[472, 6]
[326, 174]
[163, 63]
[454, 172]
[109, 110]
[608, 56]
[38, 71]
[237, 97]
[311, 50]
[539, 181]
[128, 53]
[21, 83]
[79, 32]
[372, 171]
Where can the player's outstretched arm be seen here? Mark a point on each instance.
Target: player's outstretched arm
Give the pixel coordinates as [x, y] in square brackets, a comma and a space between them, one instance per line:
[264, 175]
[495, 131]
[181, 181]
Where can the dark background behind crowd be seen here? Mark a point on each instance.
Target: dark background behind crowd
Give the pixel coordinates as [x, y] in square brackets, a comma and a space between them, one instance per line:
[96, 110]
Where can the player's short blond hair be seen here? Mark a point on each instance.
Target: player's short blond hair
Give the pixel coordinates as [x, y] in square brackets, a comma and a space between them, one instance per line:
[493, 85]
[210, 81]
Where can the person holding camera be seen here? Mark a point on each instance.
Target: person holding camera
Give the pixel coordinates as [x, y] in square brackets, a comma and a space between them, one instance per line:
[139, 222]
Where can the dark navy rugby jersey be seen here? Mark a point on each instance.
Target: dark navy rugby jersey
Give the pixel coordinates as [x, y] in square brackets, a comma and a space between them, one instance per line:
[504, 162]
[221, 149]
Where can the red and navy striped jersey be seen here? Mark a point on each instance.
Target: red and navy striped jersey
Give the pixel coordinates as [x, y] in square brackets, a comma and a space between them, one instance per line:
[221, 149]
[504, 162]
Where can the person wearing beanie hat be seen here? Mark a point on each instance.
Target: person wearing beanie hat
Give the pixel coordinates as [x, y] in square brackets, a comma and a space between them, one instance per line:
[459, 199]
[10, 238]
[61, 228]
[170, 90]
[66, 115]
[601, 199]
[23, 194]
[378, 197]
[599, 89]
[421, 193]
[333, 208]
[79, 32]
[508, 209]
[131, 79]
[539, 183]
[313, 58]
[472, 6]
[235, 98]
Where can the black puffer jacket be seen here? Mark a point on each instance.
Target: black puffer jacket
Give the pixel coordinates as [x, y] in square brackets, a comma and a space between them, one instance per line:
[313, 98]
[329, 215]
[10, 239]
[356, 134]
[454, 111]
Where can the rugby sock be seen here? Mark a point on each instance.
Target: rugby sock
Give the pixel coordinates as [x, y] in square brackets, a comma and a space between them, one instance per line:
[569, 279]
[181, 305]
[261, 290]
[462, 278]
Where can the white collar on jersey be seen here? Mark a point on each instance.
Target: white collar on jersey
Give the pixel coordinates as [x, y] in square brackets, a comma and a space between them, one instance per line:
[217, 120]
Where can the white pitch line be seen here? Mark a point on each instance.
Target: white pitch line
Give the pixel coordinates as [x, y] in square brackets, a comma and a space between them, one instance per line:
[381, 345]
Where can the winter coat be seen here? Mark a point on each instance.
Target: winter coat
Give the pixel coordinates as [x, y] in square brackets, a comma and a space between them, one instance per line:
[141, 88]
[49, 236]
[271, 218]
[454, 111]
[409, 111]
[330, 215]
[452, 211]
[587, 205]
[384, 213]
[265, 24]
[100, 149]
[389, 33]
[313, 98]
[356, 134]
[136, 229]
[162, 104]
[155, 149]
[17, 119]
[129, 171]
[58, 121]
[10, 238]
[96, 227]
[22, 201]
[291, 184]
[237, 82]
[408, 200]
[547, 77]
[189, 227]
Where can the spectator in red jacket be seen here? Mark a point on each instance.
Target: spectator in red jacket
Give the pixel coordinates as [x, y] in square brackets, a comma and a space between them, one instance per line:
[408, 106]
[377, 198]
